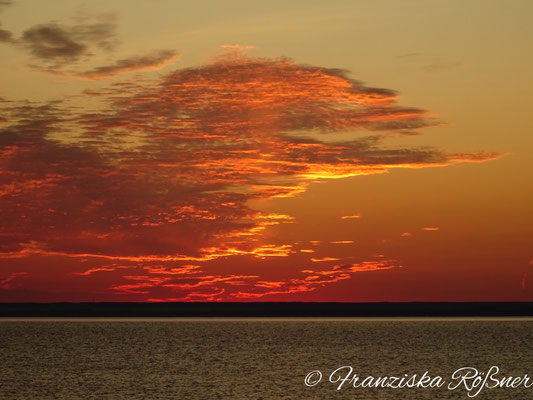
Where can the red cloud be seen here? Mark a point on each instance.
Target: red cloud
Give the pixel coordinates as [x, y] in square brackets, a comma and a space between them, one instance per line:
[166, 172]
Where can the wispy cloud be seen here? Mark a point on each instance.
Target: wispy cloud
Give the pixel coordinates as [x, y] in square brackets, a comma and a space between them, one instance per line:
[353, 216]
[152, 61]
[322, 259]
[7, 282]
[110, 268]
[312, 279]
[442, 66]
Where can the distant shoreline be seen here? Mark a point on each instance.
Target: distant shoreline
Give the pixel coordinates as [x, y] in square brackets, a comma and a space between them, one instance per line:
[267, 309]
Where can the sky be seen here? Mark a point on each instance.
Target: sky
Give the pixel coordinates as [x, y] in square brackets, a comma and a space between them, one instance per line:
[354, 151]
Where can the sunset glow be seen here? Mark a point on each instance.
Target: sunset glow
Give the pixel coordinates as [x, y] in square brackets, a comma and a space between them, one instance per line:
[233, 173]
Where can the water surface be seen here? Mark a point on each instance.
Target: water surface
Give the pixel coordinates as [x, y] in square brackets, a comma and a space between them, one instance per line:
[251, 358]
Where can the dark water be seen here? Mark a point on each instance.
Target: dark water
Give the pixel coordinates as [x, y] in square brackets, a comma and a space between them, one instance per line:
[252, 359]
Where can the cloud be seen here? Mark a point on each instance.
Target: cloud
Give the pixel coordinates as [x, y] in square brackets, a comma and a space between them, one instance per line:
[353, 216]
[313, 279]
[102, 269]
[431, 229]
[166, 172]
[51, 42]
[442, 66]
[7, 282]
[153, 61]
[242, 287]
[182, 270]
[5, 35]
[56, 44]
[322, 259]
[239, 48]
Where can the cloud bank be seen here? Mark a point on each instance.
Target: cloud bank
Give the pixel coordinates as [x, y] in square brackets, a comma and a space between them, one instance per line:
[162, 174]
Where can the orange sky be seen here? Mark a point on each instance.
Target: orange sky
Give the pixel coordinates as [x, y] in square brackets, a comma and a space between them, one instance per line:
[216, 159]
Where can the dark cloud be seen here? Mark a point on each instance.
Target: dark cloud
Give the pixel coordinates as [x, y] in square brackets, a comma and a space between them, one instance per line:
[52, 42]
[5, 3]
[5, 36]
[55, 43]
[156, 60]
[55, 46]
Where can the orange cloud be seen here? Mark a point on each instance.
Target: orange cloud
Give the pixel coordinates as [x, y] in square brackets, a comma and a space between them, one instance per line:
[163, 173]
[101, 269]
[313, 279]
[182, 270]
[324, 259]
[354, 216]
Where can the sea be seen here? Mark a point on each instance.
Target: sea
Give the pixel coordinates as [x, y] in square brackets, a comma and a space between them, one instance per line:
[266, 358]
